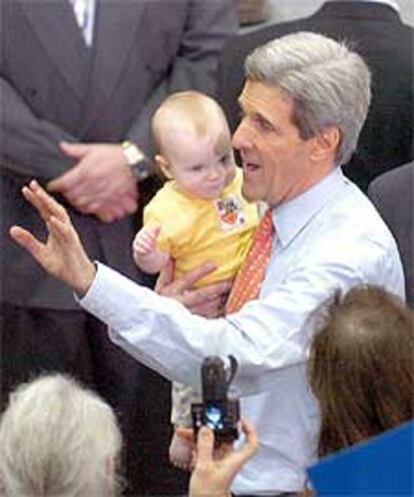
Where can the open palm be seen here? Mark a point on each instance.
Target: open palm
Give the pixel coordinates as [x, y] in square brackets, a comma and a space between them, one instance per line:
[62, 255]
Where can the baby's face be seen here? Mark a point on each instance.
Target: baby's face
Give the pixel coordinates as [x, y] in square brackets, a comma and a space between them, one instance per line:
[203, 166]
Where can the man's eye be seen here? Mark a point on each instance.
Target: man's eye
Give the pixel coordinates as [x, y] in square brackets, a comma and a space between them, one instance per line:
[197, 168]
[263, 124]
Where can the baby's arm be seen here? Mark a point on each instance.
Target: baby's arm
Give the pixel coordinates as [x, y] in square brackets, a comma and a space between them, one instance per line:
[145, 252]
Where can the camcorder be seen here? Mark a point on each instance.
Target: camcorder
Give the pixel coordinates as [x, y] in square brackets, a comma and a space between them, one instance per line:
[216, 410]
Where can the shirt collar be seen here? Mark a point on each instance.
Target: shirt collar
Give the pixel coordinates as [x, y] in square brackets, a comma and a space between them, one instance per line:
[291, 217]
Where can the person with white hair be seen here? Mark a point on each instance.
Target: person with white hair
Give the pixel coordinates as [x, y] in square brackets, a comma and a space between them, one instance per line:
[58, 439]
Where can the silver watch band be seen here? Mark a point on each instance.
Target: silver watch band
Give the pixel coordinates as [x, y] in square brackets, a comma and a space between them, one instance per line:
[140, 165]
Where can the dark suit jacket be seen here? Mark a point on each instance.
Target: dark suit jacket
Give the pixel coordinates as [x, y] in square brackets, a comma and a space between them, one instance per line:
[377, 33]
[392, 193]
[53, 88]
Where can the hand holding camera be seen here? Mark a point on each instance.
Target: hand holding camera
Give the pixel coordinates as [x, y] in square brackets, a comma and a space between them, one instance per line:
[213, 475]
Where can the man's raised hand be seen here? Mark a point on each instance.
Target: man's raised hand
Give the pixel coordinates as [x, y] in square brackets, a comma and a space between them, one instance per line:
[62, 255]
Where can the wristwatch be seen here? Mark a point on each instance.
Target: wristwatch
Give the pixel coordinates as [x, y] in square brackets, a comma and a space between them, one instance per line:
[140, 164]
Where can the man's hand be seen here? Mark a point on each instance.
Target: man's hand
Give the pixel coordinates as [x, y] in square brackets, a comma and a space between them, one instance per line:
[213, 475]
[208, 301]
[62, 255]
[101, 183]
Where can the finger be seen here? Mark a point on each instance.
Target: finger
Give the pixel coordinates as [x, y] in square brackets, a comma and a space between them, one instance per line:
[135, 195]
[166, 277]
[219, 290]
[193, 461]
[146, 237]
[132, 192]
[78, 188]
[74, 150]
[63, 232]
[205, 445]
[26, 240]
[188, 280]
[94, 207]
[61, 229]
[130, 205]
[200, 296]
[110, 212]
[66, 181]
[250, 432]
[144, 247]
[222, 450]
[80, 198]
[251, 445]
[199, 300]
[178, 287]
[88, 203]
[145, 241]
[30, 195]
[118, 211]
[43, 202]
[209, 310]
[136, 244]
[57, 219]
[105, 217]
[154, 230]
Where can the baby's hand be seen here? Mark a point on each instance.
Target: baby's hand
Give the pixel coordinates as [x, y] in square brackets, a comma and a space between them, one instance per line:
[145, 241]
[145, 252]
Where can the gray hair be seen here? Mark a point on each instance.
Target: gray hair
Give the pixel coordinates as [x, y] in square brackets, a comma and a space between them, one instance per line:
[328, 83]
[58, 439]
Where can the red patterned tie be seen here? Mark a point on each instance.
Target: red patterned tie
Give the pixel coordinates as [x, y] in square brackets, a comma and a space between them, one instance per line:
[249, 279]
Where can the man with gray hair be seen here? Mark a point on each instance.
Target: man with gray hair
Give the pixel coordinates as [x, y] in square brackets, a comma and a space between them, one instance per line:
[303, 104]
[386, 140]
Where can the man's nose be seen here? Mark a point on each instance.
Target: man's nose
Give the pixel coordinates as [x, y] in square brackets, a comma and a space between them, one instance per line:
[240, 137]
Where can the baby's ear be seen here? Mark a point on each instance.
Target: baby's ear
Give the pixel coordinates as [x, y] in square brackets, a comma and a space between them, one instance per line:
[163, 165]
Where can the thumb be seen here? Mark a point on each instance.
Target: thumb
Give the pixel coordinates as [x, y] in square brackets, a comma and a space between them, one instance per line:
[26, 240]
[155, 230]
[205, 445]
[166, 276]
[74, 150]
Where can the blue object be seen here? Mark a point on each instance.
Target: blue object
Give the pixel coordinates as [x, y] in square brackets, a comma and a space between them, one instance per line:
[380, 467]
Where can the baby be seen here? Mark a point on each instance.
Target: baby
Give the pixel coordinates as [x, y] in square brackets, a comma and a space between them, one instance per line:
[198, 215]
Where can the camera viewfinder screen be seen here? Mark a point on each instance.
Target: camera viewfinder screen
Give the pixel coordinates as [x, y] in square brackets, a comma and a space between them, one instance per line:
[214, 417]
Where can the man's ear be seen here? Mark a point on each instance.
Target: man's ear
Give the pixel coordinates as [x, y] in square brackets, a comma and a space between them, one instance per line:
[326, 144]
[165, 167]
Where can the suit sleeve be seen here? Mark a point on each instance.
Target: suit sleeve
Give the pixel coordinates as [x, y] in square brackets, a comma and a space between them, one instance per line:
[29, 145]
[209, 25]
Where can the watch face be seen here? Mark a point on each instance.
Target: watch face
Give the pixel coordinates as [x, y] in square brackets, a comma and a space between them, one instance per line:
[142, 169]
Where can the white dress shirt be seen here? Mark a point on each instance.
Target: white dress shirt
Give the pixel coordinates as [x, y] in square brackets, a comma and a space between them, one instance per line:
[328, 238]
[84, 11]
